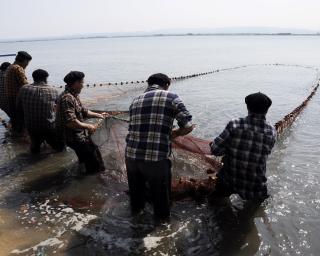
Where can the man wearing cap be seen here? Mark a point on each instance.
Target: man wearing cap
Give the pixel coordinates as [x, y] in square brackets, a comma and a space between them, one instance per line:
[37, 104]
[149, 143]
[3, 98]
[15, 78]
[245, 144]
[71, 117]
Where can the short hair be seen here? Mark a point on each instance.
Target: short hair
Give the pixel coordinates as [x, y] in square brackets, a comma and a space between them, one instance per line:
[258, 103]
[23, 56]
[4, 66]
[72, 77]
[159, 79]
[40, 75]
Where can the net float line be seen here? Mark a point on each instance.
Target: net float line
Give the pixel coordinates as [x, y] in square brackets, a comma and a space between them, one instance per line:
[189, 76]
[282, 125]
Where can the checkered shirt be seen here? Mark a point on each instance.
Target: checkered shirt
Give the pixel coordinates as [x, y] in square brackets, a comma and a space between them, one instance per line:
[15, 78]
[151, 121]
[3, 98]
[37, 103]
[245, 144]
[69, 108]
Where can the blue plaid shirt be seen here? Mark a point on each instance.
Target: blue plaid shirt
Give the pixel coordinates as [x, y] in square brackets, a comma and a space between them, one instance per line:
[245, 144]
[151, 120]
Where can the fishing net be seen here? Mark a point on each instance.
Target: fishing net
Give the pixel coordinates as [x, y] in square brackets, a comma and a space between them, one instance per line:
[194, 169]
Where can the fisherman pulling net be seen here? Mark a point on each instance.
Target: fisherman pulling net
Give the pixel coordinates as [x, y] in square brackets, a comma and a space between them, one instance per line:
[190, 154]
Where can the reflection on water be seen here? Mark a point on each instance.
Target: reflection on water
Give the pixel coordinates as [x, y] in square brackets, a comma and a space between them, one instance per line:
[48, 208]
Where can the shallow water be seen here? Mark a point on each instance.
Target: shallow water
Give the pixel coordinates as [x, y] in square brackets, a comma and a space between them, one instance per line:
[46, 208]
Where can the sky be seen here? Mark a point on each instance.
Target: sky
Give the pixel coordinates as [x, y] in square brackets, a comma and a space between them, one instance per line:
[43, 18]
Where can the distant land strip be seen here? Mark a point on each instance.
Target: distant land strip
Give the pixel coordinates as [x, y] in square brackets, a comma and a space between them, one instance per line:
[156, 35]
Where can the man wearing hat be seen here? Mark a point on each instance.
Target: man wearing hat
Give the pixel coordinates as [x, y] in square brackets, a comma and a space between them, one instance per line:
[15, 78]
[245, 144]
[71, 117]
[37, 103]
[148, 148]
[3, 98]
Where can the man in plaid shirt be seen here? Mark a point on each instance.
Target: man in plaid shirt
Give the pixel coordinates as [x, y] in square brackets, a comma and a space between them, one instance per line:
[15, 78]
[3, 98]
[71, 117]
[37, 102]
[149, 143]
[245, 144]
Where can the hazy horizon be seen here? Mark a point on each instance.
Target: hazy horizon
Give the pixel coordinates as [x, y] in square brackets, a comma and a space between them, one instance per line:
[36, 18]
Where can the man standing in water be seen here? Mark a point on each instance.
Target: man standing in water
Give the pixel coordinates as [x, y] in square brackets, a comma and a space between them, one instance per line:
[3, 98]
[70, 119]
[245, 144]
[149, 144]
[37, 103]
[15, 78]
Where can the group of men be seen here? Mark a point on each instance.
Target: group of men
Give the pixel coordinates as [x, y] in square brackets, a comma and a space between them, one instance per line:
[59, 120]
[37, 108]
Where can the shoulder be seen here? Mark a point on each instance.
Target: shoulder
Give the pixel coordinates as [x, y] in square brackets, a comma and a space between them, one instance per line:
[66, 97]
[26, 88]
[16, 68]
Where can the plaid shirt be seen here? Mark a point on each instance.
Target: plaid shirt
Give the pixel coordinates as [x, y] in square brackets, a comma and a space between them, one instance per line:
[151, 120]
[37, 103]
[15, 78]
[245, 144]
[3, 98]
[69, 109]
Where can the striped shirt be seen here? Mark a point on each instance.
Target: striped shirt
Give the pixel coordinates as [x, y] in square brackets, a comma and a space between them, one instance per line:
[152, 115]
[245, 144]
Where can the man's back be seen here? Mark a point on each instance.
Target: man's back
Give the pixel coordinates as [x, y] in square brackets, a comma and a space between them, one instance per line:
[15, 78]
[245, 144]
[38, 105]
[151, 120]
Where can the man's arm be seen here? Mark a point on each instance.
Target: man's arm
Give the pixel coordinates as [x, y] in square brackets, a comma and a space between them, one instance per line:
[21, 76]
[76, 124]
[70, 118]
[91, 114]
[219, 144]
[183, 117]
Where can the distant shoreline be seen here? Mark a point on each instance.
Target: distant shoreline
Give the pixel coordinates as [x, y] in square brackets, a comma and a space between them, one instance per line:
[152, 35]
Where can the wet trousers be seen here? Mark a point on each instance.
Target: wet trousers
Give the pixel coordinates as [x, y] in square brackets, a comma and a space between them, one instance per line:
[89, 154]
[152, 177]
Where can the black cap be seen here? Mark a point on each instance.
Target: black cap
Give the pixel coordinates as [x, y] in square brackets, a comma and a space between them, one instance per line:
[39, 75]
[4, 66]
[72, 77]
[22, 56]
[258, 103]
[159, 79]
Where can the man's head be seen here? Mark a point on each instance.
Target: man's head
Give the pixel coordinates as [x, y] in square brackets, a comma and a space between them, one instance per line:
[160, 79]
[4, 66]
[23, 59]
[258, 103]
[40, 75]
[74, 79]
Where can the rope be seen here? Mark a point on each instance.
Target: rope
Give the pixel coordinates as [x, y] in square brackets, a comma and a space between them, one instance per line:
[184, 77]
[288, 120]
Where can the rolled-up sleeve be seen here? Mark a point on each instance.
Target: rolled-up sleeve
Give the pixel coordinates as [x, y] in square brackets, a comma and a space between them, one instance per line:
[183, 116]
[68, 109]
[21, 76]
[219, 144]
